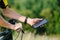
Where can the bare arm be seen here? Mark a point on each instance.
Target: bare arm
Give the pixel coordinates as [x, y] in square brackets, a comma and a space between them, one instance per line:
[5, 24]
[12, 14]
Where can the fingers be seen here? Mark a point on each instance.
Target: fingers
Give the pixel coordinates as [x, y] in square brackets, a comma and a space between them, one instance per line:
[36, 20]
[18, 30]
[18, 27]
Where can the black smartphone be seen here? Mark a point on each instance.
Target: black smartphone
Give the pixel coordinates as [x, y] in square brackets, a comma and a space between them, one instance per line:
[44, 21]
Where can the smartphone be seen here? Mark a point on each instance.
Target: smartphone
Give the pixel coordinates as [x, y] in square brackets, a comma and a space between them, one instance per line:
[44, 21]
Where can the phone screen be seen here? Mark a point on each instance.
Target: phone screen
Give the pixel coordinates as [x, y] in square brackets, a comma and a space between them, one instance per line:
[44, 21]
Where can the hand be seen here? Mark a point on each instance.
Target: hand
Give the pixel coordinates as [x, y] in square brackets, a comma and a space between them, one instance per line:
[18, 27]
[33, 21]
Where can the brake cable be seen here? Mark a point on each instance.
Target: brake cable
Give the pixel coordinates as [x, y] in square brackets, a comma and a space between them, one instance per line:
[19, 34]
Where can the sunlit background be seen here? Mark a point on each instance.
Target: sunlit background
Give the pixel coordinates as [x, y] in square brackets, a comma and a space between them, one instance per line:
[48, 9]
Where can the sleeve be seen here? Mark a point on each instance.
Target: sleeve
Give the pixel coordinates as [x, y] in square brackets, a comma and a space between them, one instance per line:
[3, 4]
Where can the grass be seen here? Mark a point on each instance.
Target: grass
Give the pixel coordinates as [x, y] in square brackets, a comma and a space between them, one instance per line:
[31, 36]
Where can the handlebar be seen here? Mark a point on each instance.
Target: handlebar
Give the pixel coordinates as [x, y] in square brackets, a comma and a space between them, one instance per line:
[13, 21]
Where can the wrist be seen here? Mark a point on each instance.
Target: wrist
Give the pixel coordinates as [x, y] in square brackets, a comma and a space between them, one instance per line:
[22, 18]
[29, 20]
[26, 20]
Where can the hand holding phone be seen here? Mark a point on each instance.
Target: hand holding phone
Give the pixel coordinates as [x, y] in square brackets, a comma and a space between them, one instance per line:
[44, 21]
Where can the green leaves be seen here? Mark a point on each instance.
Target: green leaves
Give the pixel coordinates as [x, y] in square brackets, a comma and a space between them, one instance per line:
[48, 9]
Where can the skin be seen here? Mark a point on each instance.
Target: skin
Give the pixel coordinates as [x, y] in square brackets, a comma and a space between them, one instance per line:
[12, 14]
[6, 24]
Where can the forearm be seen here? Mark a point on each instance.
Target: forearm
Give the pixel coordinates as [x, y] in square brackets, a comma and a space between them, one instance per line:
[5, 24]
[12, 14]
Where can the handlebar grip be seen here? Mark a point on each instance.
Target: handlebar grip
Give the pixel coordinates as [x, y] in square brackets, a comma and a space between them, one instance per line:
[13, 21]
[22, 31]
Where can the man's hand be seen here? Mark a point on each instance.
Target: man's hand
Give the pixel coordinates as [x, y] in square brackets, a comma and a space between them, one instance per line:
[18, 27]
[33, 21]
[3, 4]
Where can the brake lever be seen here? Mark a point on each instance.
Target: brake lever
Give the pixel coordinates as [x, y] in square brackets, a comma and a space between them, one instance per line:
[19, 29]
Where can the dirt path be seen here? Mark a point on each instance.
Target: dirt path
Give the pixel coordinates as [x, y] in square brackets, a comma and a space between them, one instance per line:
[30, 36]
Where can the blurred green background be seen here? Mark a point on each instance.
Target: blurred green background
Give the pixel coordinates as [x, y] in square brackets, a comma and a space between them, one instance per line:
[48, 9]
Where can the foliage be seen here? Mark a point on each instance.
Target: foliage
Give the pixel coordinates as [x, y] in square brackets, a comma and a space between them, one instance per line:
[49, 9]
